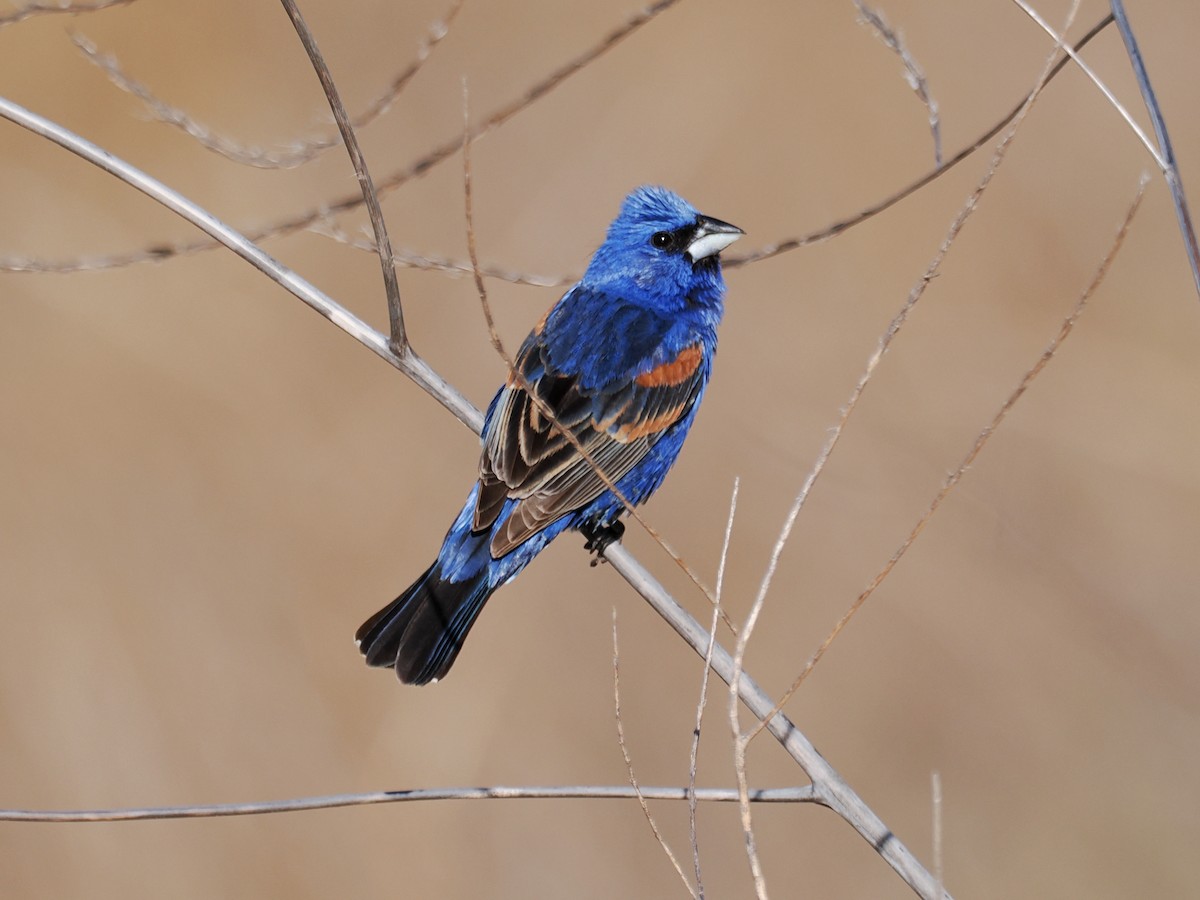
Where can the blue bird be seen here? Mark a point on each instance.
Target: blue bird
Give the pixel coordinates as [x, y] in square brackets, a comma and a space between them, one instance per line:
[621, 363]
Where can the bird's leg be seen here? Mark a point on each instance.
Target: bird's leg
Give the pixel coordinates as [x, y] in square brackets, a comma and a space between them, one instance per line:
[601, 536]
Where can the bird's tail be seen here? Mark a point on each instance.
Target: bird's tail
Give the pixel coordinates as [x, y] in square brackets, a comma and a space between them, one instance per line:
[421, 631]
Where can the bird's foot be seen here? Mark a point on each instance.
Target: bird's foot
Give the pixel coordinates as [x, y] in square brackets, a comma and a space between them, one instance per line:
[601, 537]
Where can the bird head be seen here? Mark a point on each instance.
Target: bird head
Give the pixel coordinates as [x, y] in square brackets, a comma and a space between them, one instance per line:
[661, 249]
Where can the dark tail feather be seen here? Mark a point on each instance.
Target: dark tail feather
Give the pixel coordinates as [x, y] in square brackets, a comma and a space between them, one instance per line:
[421, 631]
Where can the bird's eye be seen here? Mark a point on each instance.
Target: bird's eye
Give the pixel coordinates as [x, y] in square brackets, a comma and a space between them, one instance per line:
[661, 239]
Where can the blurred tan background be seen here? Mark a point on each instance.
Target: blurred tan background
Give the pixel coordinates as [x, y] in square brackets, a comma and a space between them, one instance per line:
[204, 487]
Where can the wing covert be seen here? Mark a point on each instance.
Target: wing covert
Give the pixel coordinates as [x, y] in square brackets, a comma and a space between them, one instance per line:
[527, 458]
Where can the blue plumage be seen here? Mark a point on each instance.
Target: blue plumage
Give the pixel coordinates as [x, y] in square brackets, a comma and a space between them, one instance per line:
[620, 363]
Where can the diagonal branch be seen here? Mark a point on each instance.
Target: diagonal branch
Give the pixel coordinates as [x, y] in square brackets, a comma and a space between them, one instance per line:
[370, 195]
[1170, 167]
[29, 10]
[829, 788]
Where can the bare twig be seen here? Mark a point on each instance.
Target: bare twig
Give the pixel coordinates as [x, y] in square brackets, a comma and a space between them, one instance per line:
[633, 782]
[694, 755]
[1060, 41]
[829, 788]
[914, 296]
[29, 10]
[741, 743]
[371, 798]
[830, 231]
[367, 185]
[300, 151]
[913, 74]
[1170, 167]
[452, 267]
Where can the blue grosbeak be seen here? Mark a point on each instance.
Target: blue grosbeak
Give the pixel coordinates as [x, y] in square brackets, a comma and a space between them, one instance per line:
[619, 363]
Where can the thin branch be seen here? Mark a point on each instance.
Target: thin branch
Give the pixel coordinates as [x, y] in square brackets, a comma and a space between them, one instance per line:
[914, 296]
[437, 33]
[633, 782]
[741, 743]
[694, 754]
[984, 436]
[336, 801]
[452, 267]
[913, 73]
[300, 151]
[1170, 167]
[829, 788]
[370, 195]
[304, 220]
[831, 231]
[29, 10]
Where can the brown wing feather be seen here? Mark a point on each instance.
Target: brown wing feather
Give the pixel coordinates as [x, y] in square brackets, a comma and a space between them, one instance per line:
[526, 457]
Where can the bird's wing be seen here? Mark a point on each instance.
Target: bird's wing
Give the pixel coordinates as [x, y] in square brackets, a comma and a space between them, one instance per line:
[528, 458]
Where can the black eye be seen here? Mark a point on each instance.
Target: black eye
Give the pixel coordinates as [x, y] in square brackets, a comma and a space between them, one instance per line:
[661, 239]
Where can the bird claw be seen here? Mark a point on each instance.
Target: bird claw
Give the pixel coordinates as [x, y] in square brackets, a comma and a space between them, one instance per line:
[600, 538]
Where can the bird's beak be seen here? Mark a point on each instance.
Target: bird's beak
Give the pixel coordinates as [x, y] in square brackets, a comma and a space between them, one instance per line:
[711, 237]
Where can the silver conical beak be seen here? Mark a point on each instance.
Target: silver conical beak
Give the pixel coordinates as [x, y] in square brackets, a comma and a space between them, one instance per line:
[711, 237]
